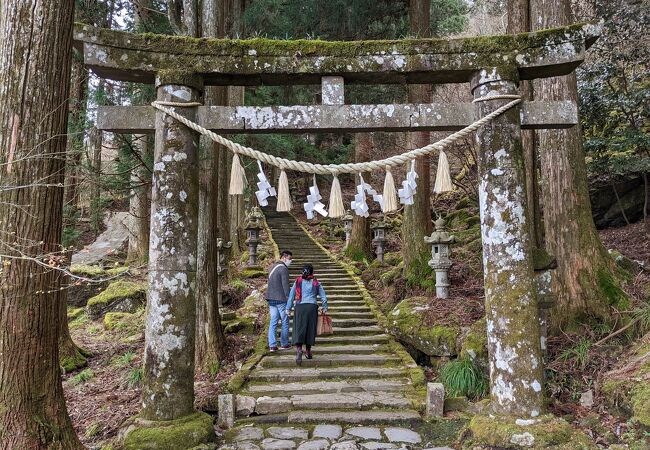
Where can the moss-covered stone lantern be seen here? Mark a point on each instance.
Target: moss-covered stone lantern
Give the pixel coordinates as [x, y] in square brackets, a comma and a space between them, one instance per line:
[347, 226]
[379, 238]
[440, 241]
[253, 227]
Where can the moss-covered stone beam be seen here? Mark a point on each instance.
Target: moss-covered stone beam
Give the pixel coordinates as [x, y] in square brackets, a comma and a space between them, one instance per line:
[338, 118]
[138, 57]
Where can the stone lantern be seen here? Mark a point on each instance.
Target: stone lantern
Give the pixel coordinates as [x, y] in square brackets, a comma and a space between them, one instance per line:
[379, 238]
[347, 226]
[223, 251]
[440, 241]
[253, 227]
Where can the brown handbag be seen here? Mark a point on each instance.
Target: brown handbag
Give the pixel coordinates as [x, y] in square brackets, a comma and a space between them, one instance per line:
[324, 326]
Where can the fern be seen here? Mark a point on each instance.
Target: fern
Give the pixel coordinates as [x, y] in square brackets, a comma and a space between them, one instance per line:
[462, 378]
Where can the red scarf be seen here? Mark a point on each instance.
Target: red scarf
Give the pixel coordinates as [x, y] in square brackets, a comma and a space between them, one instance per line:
[299, 286]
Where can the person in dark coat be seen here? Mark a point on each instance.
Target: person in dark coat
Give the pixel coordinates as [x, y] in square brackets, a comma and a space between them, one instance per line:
[304, 293]
[277, 293]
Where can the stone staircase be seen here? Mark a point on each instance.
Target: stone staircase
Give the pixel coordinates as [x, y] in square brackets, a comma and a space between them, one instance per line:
[356, 377]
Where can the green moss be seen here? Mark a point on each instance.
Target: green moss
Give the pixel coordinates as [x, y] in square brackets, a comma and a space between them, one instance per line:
[474, 344]
[543, 260]
[614, 295]
[119, 290]
[641, 404]
[407, 324]
[85, 270]
[116, 320]
[252, 272]
[186, 432]
[117, 271]
[75, 313]
[245, 324]
[419, 274]
[73, 361]
[548, 432]
[389, 277]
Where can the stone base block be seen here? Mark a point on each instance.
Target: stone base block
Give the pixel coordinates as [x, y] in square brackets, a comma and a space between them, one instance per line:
[540, 433]
[186, 432]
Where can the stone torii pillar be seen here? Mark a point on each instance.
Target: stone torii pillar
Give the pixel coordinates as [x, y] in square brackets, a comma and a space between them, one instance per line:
[516, 369]
[168, 386]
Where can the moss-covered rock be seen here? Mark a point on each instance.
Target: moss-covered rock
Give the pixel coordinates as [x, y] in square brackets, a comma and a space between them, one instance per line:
[387, 278]
[187, 432]
[74, 313]
[407, 325]
[545, 432]
[393, 258]
[119, 296]
[253, 272]
[474, 344]
[246, 324]
[627, 387]
[113, 320]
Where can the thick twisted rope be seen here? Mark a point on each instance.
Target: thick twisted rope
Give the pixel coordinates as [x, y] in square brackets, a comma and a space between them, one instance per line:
[335, 169]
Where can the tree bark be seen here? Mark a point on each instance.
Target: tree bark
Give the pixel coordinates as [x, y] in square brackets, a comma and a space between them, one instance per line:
[585, 283]
[139, 205]
[360, 245]
[96, 189]
[35, 58]
[70, 355]
[417, 217]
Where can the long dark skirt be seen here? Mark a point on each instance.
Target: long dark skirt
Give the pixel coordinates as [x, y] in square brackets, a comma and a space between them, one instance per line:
[304, 324]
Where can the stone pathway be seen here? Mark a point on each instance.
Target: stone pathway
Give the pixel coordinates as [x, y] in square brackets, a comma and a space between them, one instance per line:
[356, 377]
[323, 437]
[109, 241]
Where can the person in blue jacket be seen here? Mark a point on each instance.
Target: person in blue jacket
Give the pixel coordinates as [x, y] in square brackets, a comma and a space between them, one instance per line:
[304, 293]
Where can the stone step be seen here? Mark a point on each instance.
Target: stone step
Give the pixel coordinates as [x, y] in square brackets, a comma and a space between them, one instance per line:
[341, 322]
[334, 314]
[326, 387]
[329, 360]
[357, 417]
[366, 339]
[337, 307]
[351, 331]
[341, 401]
[285, 374]
[345, 349]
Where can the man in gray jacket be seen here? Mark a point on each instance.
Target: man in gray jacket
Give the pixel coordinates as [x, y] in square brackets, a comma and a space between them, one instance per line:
[277, 293]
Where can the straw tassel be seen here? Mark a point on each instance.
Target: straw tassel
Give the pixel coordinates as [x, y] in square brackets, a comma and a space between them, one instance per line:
[237, 176]
[443, 177]
[336, 208]
[284, 197]
[390, 194]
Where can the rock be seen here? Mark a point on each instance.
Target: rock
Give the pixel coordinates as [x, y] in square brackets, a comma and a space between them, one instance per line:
[364, 432]
[277, 444]
[402, 435]
[377, 445]
[318, 444]
[250, 434]
[245, 405]
[186, 432]
[226, 407]
[108, 242]
[474, 343]
[406, 325]
[587, 399]
[272, 405]
[327, 431]
[457, 404]
[247, 445]
[345, 445]
[287, 433]
[119, 296]
[524, 439]
[435, 399]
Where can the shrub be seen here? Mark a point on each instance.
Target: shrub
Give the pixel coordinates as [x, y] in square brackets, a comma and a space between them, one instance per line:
[462, 378]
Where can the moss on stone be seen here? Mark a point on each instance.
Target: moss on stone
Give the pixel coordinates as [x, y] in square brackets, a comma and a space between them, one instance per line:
[474, 344]
[75, 313]
[127, 296]
[245, 324]
[86, 270]
[545, 432]
[116, 320]
[253, 272]
[186, 432]
[433, 340]
[73, 361]
[387, 278]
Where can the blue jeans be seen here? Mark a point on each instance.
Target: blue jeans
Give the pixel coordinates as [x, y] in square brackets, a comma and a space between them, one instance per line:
[278, 312]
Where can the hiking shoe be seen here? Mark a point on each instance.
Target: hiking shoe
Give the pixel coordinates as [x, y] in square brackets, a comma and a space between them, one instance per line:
[299, 358]
[273, 349]
[285, 347]
[309, 355]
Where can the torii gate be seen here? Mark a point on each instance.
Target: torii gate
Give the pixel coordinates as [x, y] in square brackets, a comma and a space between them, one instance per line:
[493, 65]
